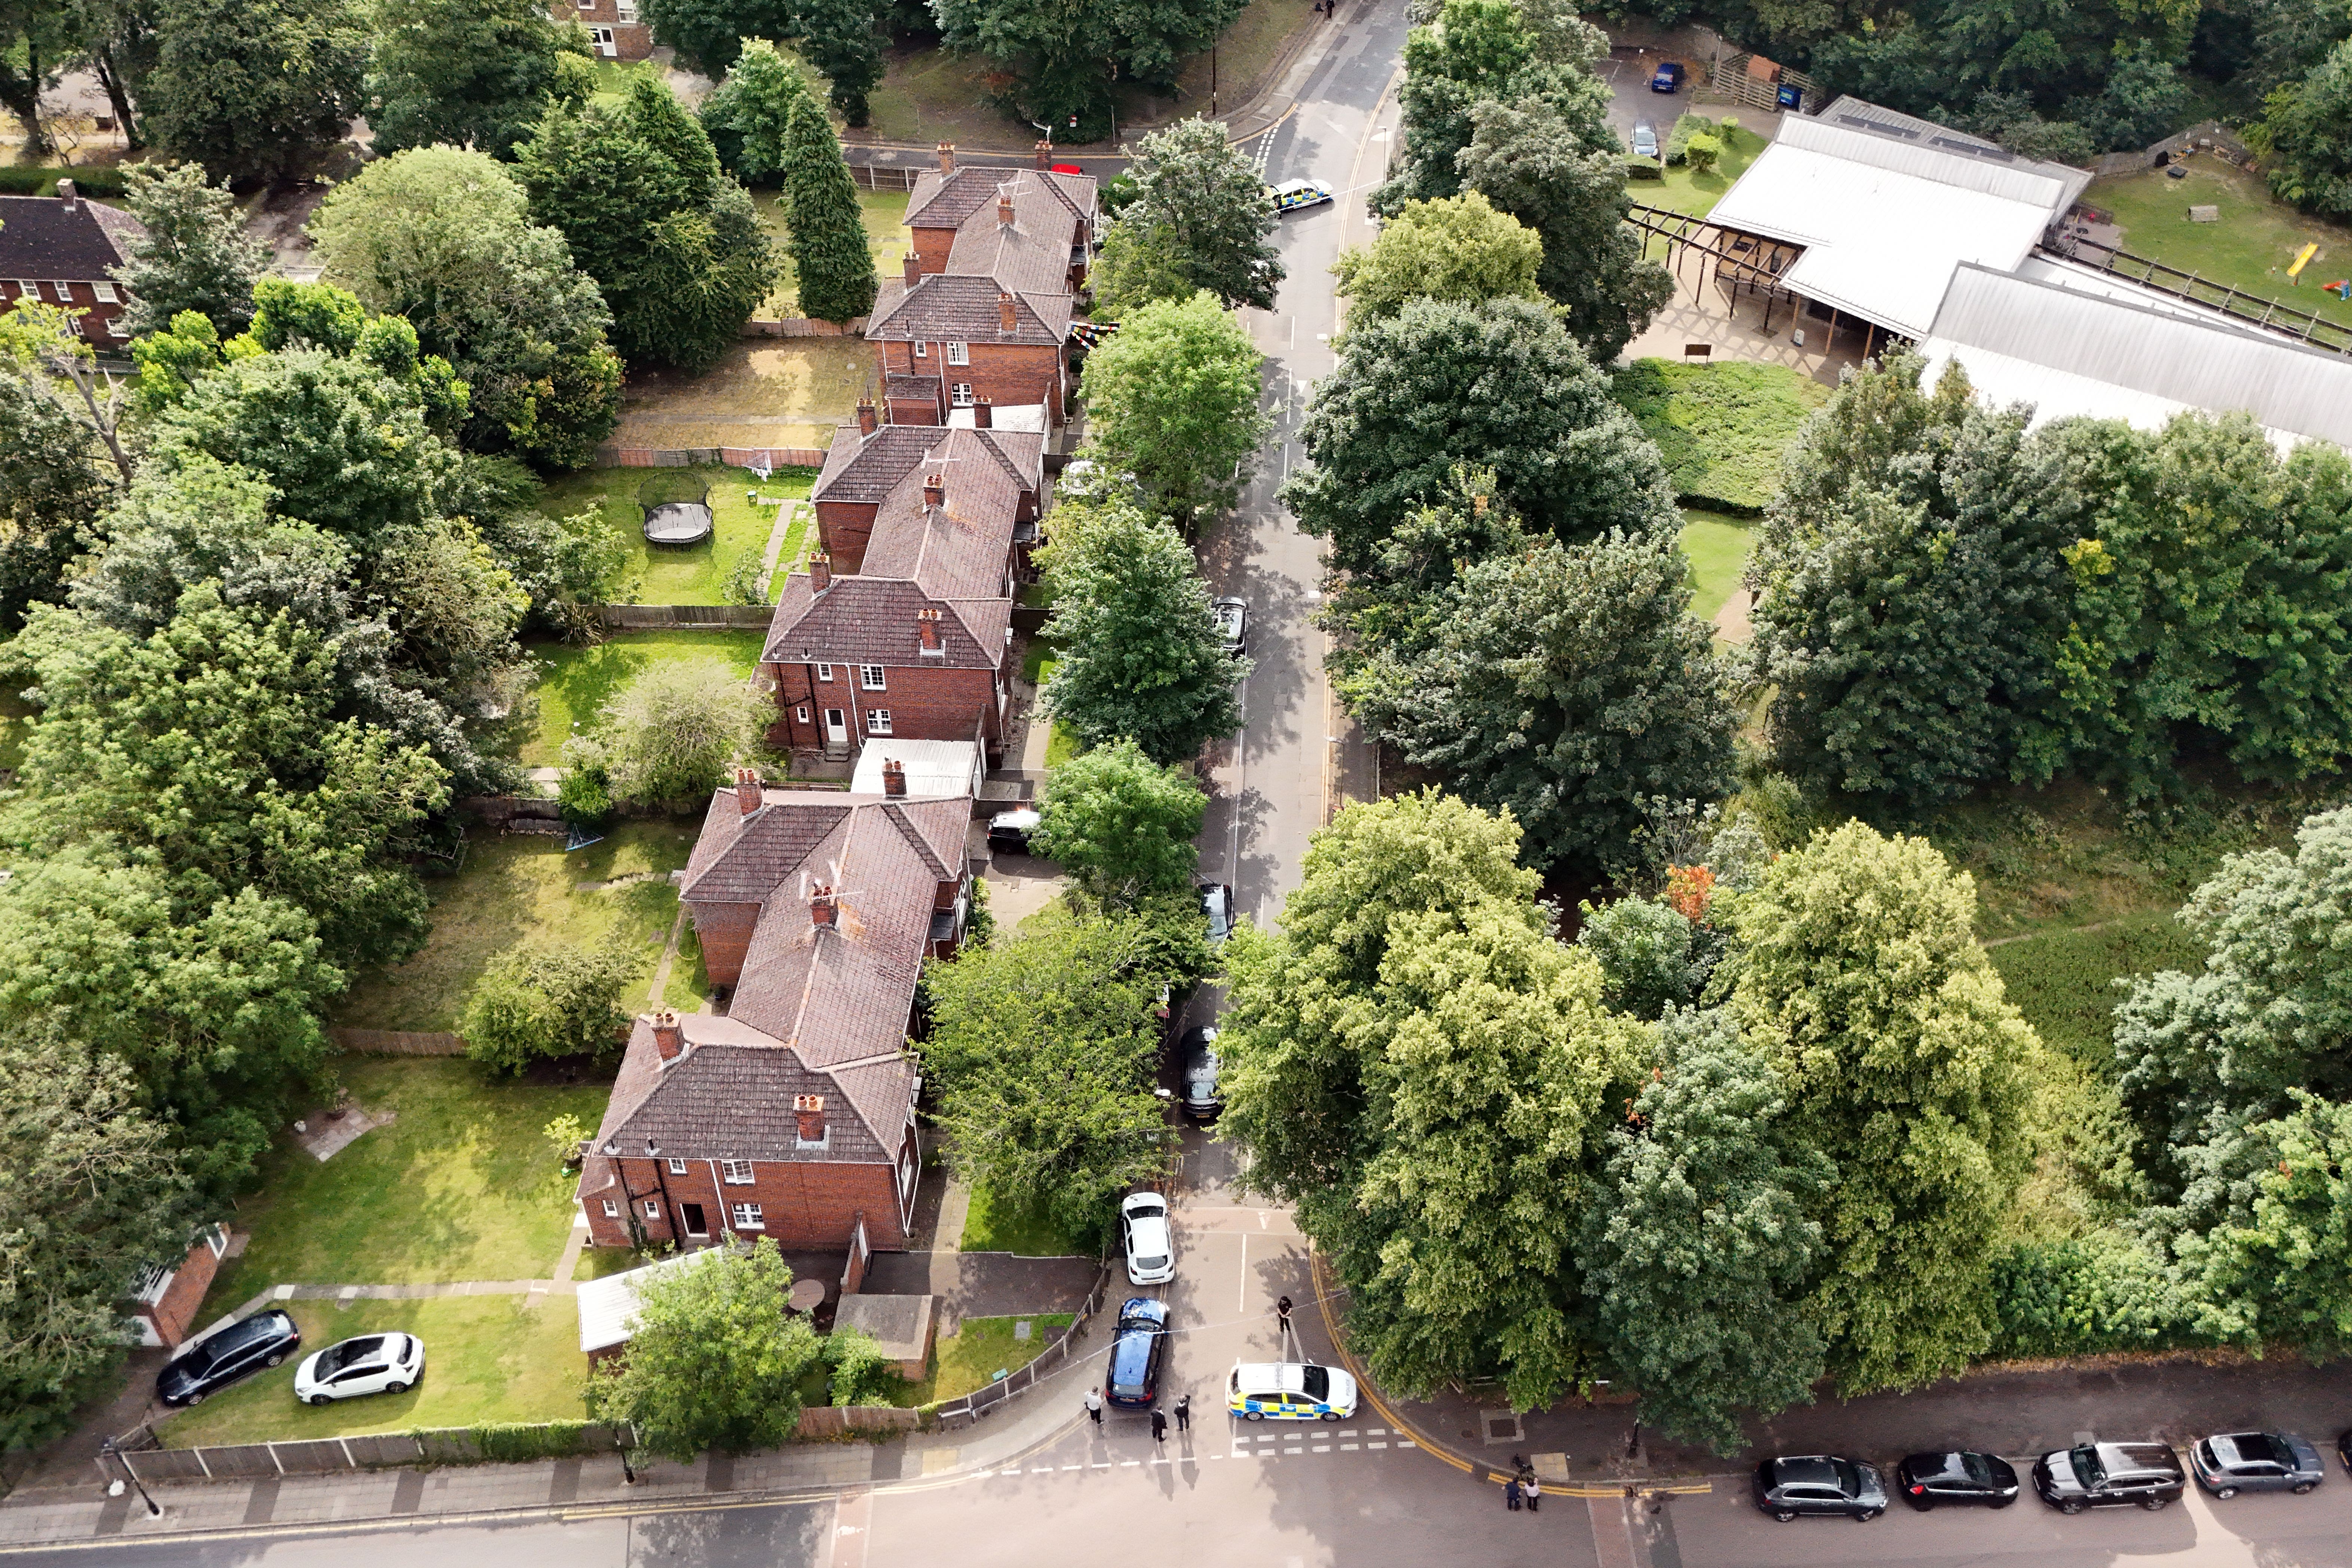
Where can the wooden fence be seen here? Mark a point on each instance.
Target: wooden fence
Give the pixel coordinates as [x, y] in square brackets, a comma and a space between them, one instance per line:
[732, 457]
[397, 1042]
[802, 327]
[647, 617]
[823, 1421]
[1730, 77]
[953, 1413]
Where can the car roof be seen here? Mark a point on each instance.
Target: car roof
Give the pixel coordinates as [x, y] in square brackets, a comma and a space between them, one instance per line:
[1805, 1469]
[1022, 817]
[1290, 187]
[1276, 1376]
[2141, 1455]
[1134, 1201]
[1145, 1307]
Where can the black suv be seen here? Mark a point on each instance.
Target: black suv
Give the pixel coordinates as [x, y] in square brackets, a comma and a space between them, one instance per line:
[1792, 1485]
[1202, 1101]
[2101, 1475]
[239, 1351]
[1928, 1479]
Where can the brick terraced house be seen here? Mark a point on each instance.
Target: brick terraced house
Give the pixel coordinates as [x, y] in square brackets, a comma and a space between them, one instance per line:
[615, 30]
[916, 641]
[62, 250]
[792, 1116]
[984, 310]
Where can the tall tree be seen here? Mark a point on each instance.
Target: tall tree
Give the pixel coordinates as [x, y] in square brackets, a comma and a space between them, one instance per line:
[1861, 982]
[539, 1000]
[194, 255]
[708, 34]
[1064, 58]
[1458, 249]
[1502, 387]
[1200, 203]
[1145, 658]
[673, 733]
[34, 41]
[1173, 399]
[1700, 1250]
[117, 38]
[56, 485]
[1476, 51]
[834, 259]
[256, 89]
[843, 39]
[748, 116]
[2269, 1246]
[460, 74]
[1121, 824]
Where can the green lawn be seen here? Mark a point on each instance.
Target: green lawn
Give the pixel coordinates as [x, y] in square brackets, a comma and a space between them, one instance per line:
[993, 1227]
[689, 986]
[1722, 428]
[486, 1359]
[514, 886]
[970, 1358]
[459, 1185]
[886, 235]
[2064, 981]
[1683, 190]
[1036, 667]
[575, 682]
[2250, 248]
[614, 76]
[682, 574]
[1716, 547]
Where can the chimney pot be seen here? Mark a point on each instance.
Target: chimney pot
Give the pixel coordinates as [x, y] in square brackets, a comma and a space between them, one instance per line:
[894, 778]
[669, 1035]
[1005, 205]
[926, 626]
[820, 572]
[823, 908]
[935, 489]
[748, 794]
[946, 157]
[1044, 153]
[914, 269]
[66, 193]
[1004, 318]
[808, 1111]
[866, 420]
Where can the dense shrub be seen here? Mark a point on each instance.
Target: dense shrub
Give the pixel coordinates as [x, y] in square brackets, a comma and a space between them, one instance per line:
[24, 182]
[1722, 428]
[1685, 127]
[2101, 1292]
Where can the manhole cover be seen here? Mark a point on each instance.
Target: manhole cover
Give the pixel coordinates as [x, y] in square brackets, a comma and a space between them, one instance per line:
[1503, 1426]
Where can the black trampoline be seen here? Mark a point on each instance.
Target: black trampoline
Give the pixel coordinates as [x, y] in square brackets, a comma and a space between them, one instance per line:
[677, 505]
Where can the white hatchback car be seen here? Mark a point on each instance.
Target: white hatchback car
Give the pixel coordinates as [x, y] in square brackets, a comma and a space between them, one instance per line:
[373, 1364]
[1151, 1249]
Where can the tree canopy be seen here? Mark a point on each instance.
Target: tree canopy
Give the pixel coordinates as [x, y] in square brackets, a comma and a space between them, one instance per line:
[831, 255]
[1197, 218]
[254, 90]
[1120, 823]
[194, 255]
[1064, 58]
[459, 73]
[1458, 249]
[1173, 400]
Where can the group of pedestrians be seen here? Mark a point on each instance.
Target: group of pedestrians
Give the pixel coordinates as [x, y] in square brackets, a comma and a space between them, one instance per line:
[1159, 1417]
[1522, 1490]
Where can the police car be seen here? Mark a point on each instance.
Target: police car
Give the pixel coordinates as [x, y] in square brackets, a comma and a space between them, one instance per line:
[1292, 196]
[1289, 1391]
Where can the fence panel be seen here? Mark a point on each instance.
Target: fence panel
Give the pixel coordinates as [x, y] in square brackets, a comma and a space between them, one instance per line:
[882, 177]
[311, 1455]
[168, 1465]
[651, 617]
[732, 457]
[397, 1042]
[241, 1461]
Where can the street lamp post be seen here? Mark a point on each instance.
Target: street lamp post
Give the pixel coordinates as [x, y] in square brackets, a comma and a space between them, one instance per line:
[114, 1482]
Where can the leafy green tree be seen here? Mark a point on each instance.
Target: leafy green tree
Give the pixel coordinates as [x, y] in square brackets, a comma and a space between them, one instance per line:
[1701, 1248]
[539, 1000]
[1478, 51]
[1649, 962]
[861, 1376]
[1145, 658]
[34, 40]
[55, 488]
[452, 74]
[1201, 203]
[1861, 982]
[709, 35]
[1136, 267]
[1456, 249]
[1044, 1048]
[714, 1360]
[256, 89]
[2145, 98]
[748, 116]
[1173, 399]
[195, 255]
[843, 39]
[92, 1197]
[2269, 1264]
[839, 38]
[1064, 58]
[834, 257]
[1120, 823]
[675, 245]
[1501, 387]
[673, 732]
[1568, 686]
[444, 239]
[115, 40]
[1537, 163]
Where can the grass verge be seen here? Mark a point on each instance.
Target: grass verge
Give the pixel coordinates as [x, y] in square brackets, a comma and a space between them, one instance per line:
[1716, 547]
[575, 683]
[487, 1358]
[2064, 981]
[1721, 428]
[1684, 189]
[970, 1358]
[995, 1225]
[885, 236]
[688, 573]
[2250, 248]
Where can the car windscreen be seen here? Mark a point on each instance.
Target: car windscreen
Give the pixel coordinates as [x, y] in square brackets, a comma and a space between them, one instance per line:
[1150, 1263]
[2088, 1469]
[1317, 1381]
[1148, 1211]
[352, 1352]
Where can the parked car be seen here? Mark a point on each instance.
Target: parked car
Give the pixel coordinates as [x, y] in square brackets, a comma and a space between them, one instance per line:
[1928, 1480]
[1792, 1485]
[1151, 1249]
[371, 1364]
[235, 1353]
[1201, 1100]
[1217, 908]
[2104, 1475]
[1295, 196]
[2238, 1462]
[1009, 831]
[1668, 78]
[1289, 1391]
[1137, 1346]
[1233, 620]
[1645, 139]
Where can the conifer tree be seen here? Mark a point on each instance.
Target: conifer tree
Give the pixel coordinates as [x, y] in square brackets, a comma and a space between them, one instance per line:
[829, 245]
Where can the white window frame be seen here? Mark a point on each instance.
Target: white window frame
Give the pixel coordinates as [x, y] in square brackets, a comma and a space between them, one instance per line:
[106, 294]
[800, 714]
[627, 10]
[735, 1173]
[959, 354]
[825, 672]
[961, 395]
[923, 349]
[677, 1166]
[873, 677]
[605, 45]
[611, 1209]
[65, 292]
[652, 1208]
[878, 722]
[749, 1216]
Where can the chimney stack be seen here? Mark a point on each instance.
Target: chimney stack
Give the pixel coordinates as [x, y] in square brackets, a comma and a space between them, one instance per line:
[820, 572]
[866, 420]
[946, 157]
[669, 1035]
[983, 416]
[809, 1109]
[1005, 205]
[894, 778]
[914, 269]
[1004, 319]
[1045, 155]
[748, 794]
[926, 626]
[66, 195]
[822, 909]
[935, 489]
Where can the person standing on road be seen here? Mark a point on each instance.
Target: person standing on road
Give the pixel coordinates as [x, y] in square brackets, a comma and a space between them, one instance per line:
[1184, 1414]
[1282, 1315]
[1094, 1405]
[1511, 1494]
[1533, 1488]
[1159, 1425]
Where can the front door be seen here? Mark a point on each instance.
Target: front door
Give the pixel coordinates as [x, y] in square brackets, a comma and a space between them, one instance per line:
[694, 1221]
[836, 728]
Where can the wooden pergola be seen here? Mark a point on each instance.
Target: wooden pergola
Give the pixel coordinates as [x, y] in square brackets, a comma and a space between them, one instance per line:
[1745, 264]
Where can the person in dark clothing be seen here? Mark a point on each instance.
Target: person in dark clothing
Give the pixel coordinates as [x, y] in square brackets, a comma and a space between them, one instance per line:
[1511, 1494]
[1159, 1426]
[1282, 1314]
[1184, 1414]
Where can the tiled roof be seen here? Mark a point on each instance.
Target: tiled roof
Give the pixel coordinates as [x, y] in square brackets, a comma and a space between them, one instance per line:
[740, 859]
[867, 467]
[41, 240]
[1031, 255]
[958, 549]
[946, 307]
[733, 1099]
[945, 201]
[871, 620]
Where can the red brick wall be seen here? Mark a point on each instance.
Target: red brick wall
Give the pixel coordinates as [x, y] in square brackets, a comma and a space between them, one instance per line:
[809, 1206]
[925, 704]
[846, 527]
[1002, 372]
[632, 40]
[175, 1315]
[725, 933]
[97, 315]
[931, 246]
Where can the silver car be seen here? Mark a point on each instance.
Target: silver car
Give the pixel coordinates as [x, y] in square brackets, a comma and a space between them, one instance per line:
[1645, 139]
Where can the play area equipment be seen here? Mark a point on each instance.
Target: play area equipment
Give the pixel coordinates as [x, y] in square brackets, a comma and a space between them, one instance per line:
[677, 504]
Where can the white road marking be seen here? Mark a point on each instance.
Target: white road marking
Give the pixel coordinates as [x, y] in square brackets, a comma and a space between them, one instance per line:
[1243, 1305]
[1376, 1445]
[1322, 1448]
[1407, 1442]
[1347, 1447]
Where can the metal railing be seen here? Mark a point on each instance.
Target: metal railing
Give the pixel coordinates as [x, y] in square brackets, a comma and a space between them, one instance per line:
[2254, 310]
[137, 1452]
[952, 1413]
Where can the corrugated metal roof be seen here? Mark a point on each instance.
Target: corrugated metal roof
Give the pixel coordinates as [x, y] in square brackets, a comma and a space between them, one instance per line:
[1959, 166]
[2072, 352]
